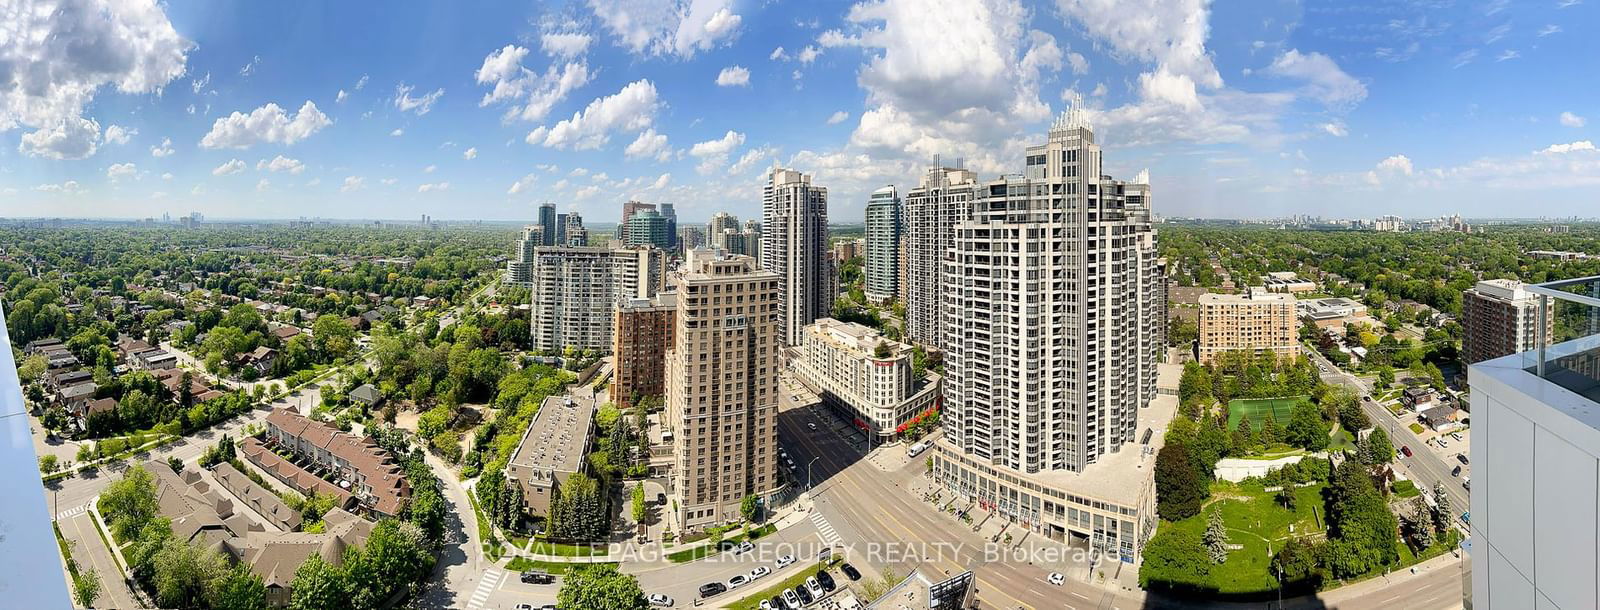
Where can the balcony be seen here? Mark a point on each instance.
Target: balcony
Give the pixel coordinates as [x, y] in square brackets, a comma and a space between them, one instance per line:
[1570, 355]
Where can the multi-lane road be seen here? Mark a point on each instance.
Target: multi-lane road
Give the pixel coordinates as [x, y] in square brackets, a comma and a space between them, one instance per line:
[877, 514]
[1426, 466]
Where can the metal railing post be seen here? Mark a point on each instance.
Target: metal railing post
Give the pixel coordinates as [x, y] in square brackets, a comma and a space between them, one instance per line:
[1540, 332]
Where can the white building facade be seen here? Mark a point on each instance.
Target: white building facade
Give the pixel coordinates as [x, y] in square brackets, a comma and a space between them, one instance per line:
[794, 245]
[841, 362]
[576, 292]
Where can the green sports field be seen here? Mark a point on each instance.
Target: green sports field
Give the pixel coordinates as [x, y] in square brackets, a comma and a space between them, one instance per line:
[1257, 409]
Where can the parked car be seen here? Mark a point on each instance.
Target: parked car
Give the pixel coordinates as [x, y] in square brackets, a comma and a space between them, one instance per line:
[811, 425]
[1443, 444]
[661, 499]
[1056, 578]
[738, 580]
[916, 449]
[1456, 472]
[850, 571]
[759, 572]
[712, 588]
[805, 596]
[1406, 450]
[765, 605]
[524, 607]
[790, 598]
[657, 599]
[813, 586]
[537, 577]
[785, 560]
[1462, 457]
[1466, 483]
[1455, 435]
[745, 547]
[778, 603]
[826, 580]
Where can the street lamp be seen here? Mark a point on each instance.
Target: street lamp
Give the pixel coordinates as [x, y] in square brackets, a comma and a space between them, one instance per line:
[808, 470]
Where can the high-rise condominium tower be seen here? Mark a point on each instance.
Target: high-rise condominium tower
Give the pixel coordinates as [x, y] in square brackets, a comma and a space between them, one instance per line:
[1500, 317]
[883, 245]
[1052, 331]
[576, 292]
[942, 199]
[722, 386]
[720, 222]
[794, 245]
[547, 224]
[629, 208]
[670, 213]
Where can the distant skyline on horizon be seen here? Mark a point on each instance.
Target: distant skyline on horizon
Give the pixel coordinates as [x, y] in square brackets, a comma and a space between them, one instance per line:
[483, 110]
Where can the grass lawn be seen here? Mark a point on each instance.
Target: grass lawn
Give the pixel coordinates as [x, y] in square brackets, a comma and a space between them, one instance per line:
[1406, 488]
[1257, 409]
[704, 551]
[753, 601]
[1408, 558]
[1342, 440]
[1253, 519]
[523, 564]
[1396, 409]
[542, 547]
[1417, 428]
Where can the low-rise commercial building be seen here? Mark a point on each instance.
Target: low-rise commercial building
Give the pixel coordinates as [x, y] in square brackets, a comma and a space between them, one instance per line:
[552, 449]
[1256, 322]
[857, 370]
[1287, 281]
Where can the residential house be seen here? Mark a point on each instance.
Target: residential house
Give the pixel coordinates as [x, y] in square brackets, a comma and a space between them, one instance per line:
[366, 395]
[1418, 398]
[261, 359]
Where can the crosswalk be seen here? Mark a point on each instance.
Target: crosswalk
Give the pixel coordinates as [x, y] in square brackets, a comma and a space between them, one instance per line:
[72, 512]
[485, 587]
[829, 535]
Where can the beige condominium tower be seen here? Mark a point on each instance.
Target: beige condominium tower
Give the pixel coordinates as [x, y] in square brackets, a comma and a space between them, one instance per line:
[722, 387]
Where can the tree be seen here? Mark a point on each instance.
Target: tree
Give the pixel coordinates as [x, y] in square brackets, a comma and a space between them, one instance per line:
[1361, 529]
[601, 587]
[318, 585]
[1306, 428]
[333, 337]
[174, 463]
[1216, 538]
[1288, 498]
[1179, 486]
[48, 463]
[1270, 435]
[239, 588]
[85, 587]
[1385, 377]
[750, 508]
[1245, 430]
[130, 502]
[1297, 564]
[1175, 558]
[1376, 448]
[186, 390]
[578, 512]
[1442, 512]
[638, 503]
[1435, 377]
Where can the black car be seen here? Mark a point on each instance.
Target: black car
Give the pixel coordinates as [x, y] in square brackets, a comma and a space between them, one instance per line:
[1462, 457]
[777, 603]
[712, 588]
[850, 571]
[537, 577]
[661, 499]
[805, 596]
[826, 580]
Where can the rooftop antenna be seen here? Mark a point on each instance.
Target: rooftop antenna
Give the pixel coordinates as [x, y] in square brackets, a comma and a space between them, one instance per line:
[1075, 116]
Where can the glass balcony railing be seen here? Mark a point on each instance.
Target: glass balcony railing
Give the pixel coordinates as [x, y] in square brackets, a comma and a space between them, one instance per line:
[1568, 352]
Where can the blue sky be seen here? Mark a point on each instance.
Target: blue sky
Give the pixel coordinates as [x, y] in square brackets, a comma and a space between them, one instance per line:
[482, 110]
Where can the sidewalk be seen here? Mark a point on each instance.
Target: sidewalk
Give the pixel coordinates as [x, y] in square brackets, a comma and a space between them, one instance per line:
[785, 518]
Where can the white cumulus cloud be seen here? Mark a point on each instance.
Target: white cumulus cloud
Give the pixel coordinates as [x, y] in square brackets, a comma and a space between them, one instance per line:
[649, 144]
[56, 56]
[470, 153]
[267, 124]
[1572, 120]
[1559, 149]
[668, 27]
[281, 163]
[121, 170]
[162, 150]
[117, 134]
[531, 95]
[631, 109]
[433, 187]
[838, 117]
[353, 183]
[733, 76]
[421, 105]
[233, 166]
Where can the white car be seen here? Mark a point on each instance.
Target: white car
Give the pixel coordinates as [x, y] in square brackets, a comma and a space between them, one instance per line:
[765, 605]
[759, 572]
[657, 599]
[745, 547]
[811, 425]
[785, 560]
[813, 587]
[1055, 578]
[739, 580]
[790, 598]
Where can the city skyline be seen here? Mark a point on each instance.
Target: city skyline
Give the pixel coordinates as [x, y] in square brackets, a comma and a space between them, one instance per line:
[1293, 109]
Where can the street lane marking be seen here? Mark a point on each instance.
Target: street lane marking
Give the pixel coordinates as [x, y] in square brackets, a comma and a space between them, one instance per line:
[72, 512]
[485, 587]
[829, 535]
